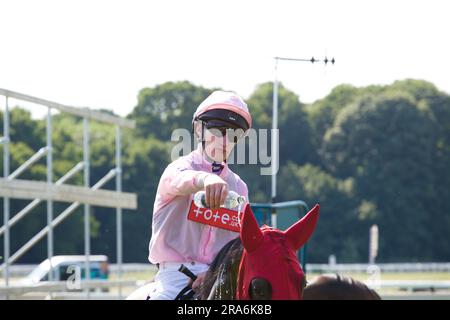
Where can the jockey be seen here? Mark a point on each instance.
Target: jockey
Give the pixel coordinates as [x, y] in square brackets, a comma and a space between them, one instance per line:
[219, 121]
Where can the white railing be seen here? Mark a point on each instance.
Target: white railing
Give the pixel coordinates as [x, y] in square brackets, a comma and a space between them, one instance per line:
[383, 267]
[21, 270]
[50, 191]
[65, 289]
[24, 269]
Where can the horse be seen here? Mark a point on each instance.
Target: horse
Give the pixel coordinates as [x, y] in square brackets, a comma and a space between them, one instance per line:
[250, 268]
[261, 264]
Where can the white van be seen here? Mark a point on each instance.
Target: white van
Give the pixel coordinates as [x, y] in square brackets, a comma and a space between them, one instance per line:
[63, 267]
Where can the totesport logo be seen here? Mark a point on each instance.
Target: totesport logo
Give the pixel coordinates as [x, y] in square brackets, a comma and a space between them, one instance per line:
[221, 218]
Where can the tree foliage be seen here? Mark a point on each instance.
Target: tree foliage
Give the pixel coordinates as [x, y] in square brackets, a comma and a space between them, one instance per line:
[369, 155]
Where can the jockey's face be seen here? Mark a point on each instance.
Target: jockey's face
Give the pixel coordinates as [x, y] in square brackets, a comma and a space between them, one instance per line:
[219, 143]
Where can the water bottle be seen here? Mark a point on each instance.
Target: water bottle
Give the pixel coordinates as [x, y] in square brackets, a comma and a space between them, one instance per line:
[232, 200]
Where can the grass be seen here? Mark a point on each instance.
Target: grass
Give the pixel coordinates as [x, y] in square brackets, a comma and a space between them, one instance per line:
[433, 276]
[439, 276]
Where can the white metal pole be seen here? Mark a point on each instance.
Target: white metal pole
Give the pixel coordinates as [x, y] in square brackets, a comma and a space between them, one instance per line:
[119, 210]
[49, 181]
[274, 152]
[274, 143]
[274, 140]
[373, 243]
[87, 231]
[6, 243]
[34, 158]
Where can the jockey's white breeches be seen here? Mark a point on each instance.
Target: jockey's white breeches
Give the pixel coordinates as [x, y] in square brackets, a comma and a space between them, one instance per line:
[169, 282]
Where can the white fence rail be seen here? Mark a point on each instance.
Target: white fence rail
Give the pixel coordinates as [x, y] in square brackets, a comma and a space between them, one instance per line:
[24, 269]
[21, 270]
[92, 289]
[410, 285]
[412, 289]
[383, 267]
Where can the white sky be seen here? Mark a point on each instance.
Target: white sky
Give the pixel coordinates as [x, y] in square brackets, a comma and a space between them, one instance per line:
[101, 53]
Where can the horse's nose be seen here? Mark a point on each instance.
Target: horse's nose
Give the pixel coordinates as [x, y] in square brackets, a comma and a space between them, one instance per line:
[260, 289]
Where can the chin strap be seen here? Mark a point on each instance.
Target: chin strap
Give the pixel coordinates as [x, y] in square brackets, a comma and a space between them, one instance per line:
[203, 136]
[215, 167]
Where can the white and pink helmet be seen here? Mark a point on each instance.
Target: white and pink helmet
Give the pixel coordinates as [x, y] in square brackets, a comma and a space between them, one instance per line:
[223, 108]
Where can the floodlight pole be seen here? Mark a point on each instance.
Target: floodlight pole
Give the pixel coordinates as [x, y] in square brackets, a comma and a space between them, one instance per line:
[274, 137]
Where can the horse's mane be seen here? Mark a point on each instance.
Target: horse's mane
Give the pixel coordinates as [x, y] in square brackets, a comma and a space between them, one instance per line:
[337, 287]
[226, 262]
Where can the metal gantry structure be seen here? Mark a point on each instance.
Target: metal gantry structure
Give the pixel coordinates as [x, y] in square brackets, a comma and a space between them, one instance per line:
[49, 191]
[274, 140]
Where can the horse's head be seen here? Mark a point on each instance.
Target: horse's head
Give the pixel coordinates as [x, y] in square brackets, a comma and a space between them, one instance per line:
[269, 268]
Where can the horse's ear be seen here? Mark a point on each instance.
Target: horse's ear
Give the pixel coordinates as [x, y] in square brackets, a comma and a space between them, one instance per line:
[300, 232]
[251, 235]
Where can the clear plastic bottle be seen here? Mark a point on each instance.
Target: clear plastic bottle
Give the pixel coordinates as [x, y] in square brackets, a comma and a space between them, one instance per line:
[232, 200]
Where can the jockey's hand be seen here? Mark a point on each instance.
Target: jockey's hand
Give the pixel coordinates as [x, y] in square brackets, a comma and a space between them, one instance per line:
[199, 281]
[216, 191]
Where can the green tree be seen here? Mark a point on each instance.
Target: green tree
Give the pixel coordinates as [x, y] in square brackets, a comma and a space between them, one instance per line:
[343, 221]
[386, 144]
[166, 107]
[322, 113]
[294, 137]
[294, 130]
[376, 154]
